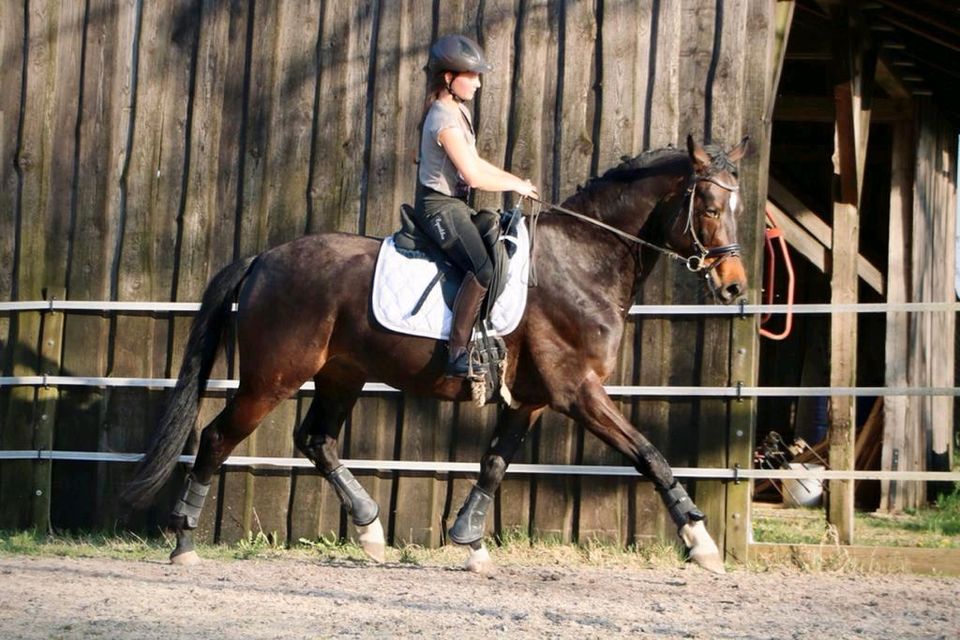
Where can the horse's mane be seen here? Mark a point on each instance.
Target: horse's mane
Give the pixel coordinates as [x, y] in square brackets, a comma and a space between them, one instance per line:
[665, 159]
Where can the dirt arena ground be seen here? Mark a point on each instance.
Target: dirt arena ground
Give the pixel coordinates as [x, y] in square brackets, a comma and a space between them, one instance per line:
[53, 597]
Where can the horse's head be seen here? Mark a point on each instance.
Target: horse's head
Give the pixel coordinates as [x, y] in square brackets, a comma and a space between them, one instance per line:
[705, 231]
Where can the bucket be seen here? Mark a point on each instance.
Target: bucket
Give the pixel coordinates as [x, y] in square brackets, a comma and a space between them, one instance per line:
[802, 492]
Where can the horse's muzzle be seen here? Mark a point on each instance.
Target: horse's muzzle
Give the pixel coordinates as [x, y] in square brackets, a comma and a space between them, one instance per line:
[728, 280]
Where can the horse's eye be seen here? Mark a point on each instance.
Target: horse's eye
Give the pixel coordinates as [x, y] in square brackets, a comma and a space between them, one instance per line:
[712, 213]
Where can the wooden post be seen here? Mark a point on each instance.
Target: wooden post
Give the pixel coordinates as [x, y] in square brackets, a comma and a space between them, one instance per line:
[898, 322]
[745, 341]
[850, 147]
[44, 416]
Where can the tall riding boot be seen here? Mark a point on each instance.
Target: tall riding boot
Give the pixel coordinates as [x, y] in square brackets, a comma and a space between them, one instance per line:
[466, 307]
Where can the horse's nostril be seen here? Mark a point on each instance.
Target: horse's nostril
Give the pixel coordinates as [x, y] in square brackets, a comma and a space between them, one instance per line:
[734, 290]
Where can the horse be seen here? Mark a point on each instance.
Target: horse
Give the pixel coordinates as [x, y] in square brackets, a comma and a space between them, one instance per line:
[303, 312]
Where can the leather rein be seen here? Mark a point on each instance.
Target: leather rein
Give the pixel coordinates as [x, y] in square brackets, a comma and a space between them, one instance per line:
[700, 261]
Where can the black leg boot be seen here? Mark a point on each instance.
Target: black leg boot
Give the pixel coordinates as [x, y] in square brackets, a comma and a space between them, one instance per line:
[466, 307]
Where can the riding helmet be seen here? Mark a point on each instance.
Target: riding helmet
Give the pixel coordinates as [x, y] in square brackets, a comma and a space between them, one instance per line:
[458, 54]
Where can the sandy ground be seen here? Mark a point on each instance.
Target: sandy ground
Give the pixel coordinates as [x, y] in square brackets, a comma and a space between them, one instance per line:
[49, 597]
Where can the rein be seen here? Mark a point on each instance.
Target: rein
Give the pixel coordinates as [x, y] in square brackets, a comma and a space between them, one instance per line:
[695, 263]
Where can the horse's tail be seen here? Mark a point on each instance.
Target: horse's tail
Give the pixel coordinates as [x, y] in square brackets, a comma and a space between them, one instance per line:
[181, 412]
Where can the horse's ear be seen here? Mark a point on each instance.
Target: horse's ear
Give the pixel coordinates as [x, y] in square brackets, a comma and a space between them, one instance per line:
[738, 151]
[700, 158]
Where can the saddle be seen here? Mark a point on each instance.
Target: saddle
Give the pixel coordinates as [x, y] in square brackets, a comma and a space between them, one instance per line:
[413, 243]
[503, 235]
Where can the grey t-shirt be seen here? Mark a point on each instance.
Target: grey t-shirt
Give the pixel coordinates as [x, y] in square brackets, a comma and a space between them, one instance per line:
[436, 170]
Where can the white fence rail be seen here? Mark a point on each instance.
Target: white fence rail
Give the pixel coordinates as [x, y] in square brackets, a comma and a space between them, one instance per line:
[734, 392]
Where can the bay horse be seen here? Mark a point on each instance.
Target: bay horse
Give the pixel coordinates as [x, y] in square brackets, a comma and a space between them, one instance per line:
[304, 313]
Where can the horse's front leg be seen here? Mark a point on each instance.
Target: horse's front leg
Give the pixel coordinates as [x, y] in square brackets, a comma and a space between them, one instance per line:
[468, 528]
[593, 408]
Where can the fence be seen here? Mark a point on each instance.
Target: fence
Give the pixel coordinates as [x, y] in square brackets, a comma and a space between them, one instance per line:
[526, 482]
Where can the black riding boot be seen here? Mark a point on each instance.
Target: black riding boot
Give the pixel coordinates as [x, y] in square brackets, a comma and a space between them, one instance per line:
[466, 307]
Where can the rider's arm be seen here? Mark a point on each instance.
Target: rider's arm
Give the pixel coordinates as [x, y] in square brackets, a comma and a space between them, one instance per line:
[477, 172]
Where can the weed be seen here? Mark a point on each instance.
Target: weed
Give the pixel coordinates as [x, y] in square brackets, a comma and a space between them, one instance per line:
[258, 545]
[410, 554]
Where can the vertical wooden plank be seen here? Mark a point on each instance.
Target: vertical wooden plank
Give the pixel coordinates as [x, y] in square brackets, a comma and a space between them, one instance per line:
[44, 160]
[103, 123]
[662, 123]
[210, 202]
[843, 281]
[662, 420]
[13, 401]
[534, 99]
[761, 28]
[151, 191]
[421, 497]
[625, 48]
[898, 288]
[338, 138]
[529, 153]
[940, 419]
[493, 103]
[554, 497]
[708, 361]
[401, 47]
[283, 88]
[105, 118]
[930, 419]
[45, 414]
[724, 82]
[12, 37]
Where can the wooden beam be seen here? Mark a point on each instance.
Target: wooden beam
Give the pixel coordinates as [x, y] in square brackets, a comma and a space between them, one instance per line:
[888, 78]
[817, 109]
[51, 349]
[849, 146]
[811, 236]
[898, 323]
[783, 18]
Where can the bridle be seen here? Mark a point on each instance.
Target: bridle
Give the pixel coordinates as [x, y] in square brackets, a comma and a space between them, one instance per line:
[703, 261]
[698, 262]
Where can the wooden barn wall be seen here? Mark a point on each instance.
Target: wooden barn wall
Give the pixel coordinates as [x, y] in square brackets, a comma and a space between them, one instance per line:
[146, 145]
[920, 429]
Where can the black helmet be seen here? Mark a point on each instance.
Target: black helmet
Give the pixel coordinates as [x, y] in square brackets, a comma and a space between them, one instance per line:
[457, 53]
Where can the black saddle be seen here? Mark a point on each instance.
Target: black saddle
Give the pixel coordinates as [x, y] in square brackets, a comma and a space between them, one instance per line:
[412, 242]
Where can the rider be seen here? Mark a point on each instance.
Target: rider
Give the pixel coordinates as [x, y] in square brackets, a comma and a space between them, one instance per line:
[449, 167]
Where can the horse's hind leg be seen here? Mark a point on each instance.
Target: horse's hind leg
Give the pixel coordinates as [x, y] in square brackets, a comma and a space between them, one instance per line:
[316, 438]
[218, 439]
[468, 528]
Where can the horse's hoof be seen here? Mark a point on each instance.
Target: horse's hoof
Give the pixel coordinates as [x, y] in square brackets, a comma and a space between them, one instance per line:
[479, 562]
[372, 541]
[185, 559]
[703, 550]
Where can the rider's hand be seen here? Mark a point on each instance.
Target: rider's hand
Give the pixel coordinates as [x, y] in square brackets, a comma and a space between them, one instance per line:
[526, 189]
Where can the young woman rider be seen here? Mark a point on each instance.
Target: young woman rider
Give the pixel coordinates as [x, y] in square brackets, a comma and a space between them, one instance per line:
[449, 167]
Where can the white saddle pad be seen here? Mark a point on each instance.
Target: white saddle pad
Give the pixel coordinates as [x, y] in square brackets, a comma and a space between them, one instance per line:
[399, 282]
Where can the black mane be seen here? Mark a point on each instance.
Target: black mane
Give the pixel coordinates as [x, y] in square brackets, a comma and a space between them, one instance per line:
[663, 160]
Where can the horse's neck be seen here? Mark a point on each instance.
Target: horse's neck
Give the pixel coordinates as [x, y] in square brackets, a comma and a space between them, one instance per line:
[589, 258]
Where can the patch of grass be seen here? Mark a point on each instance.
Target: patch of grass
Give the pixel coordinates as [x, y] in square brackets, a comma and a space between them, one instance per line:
[259, 545]
[935, 527]
[517, 547]
[331, 548]
[127, 546]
